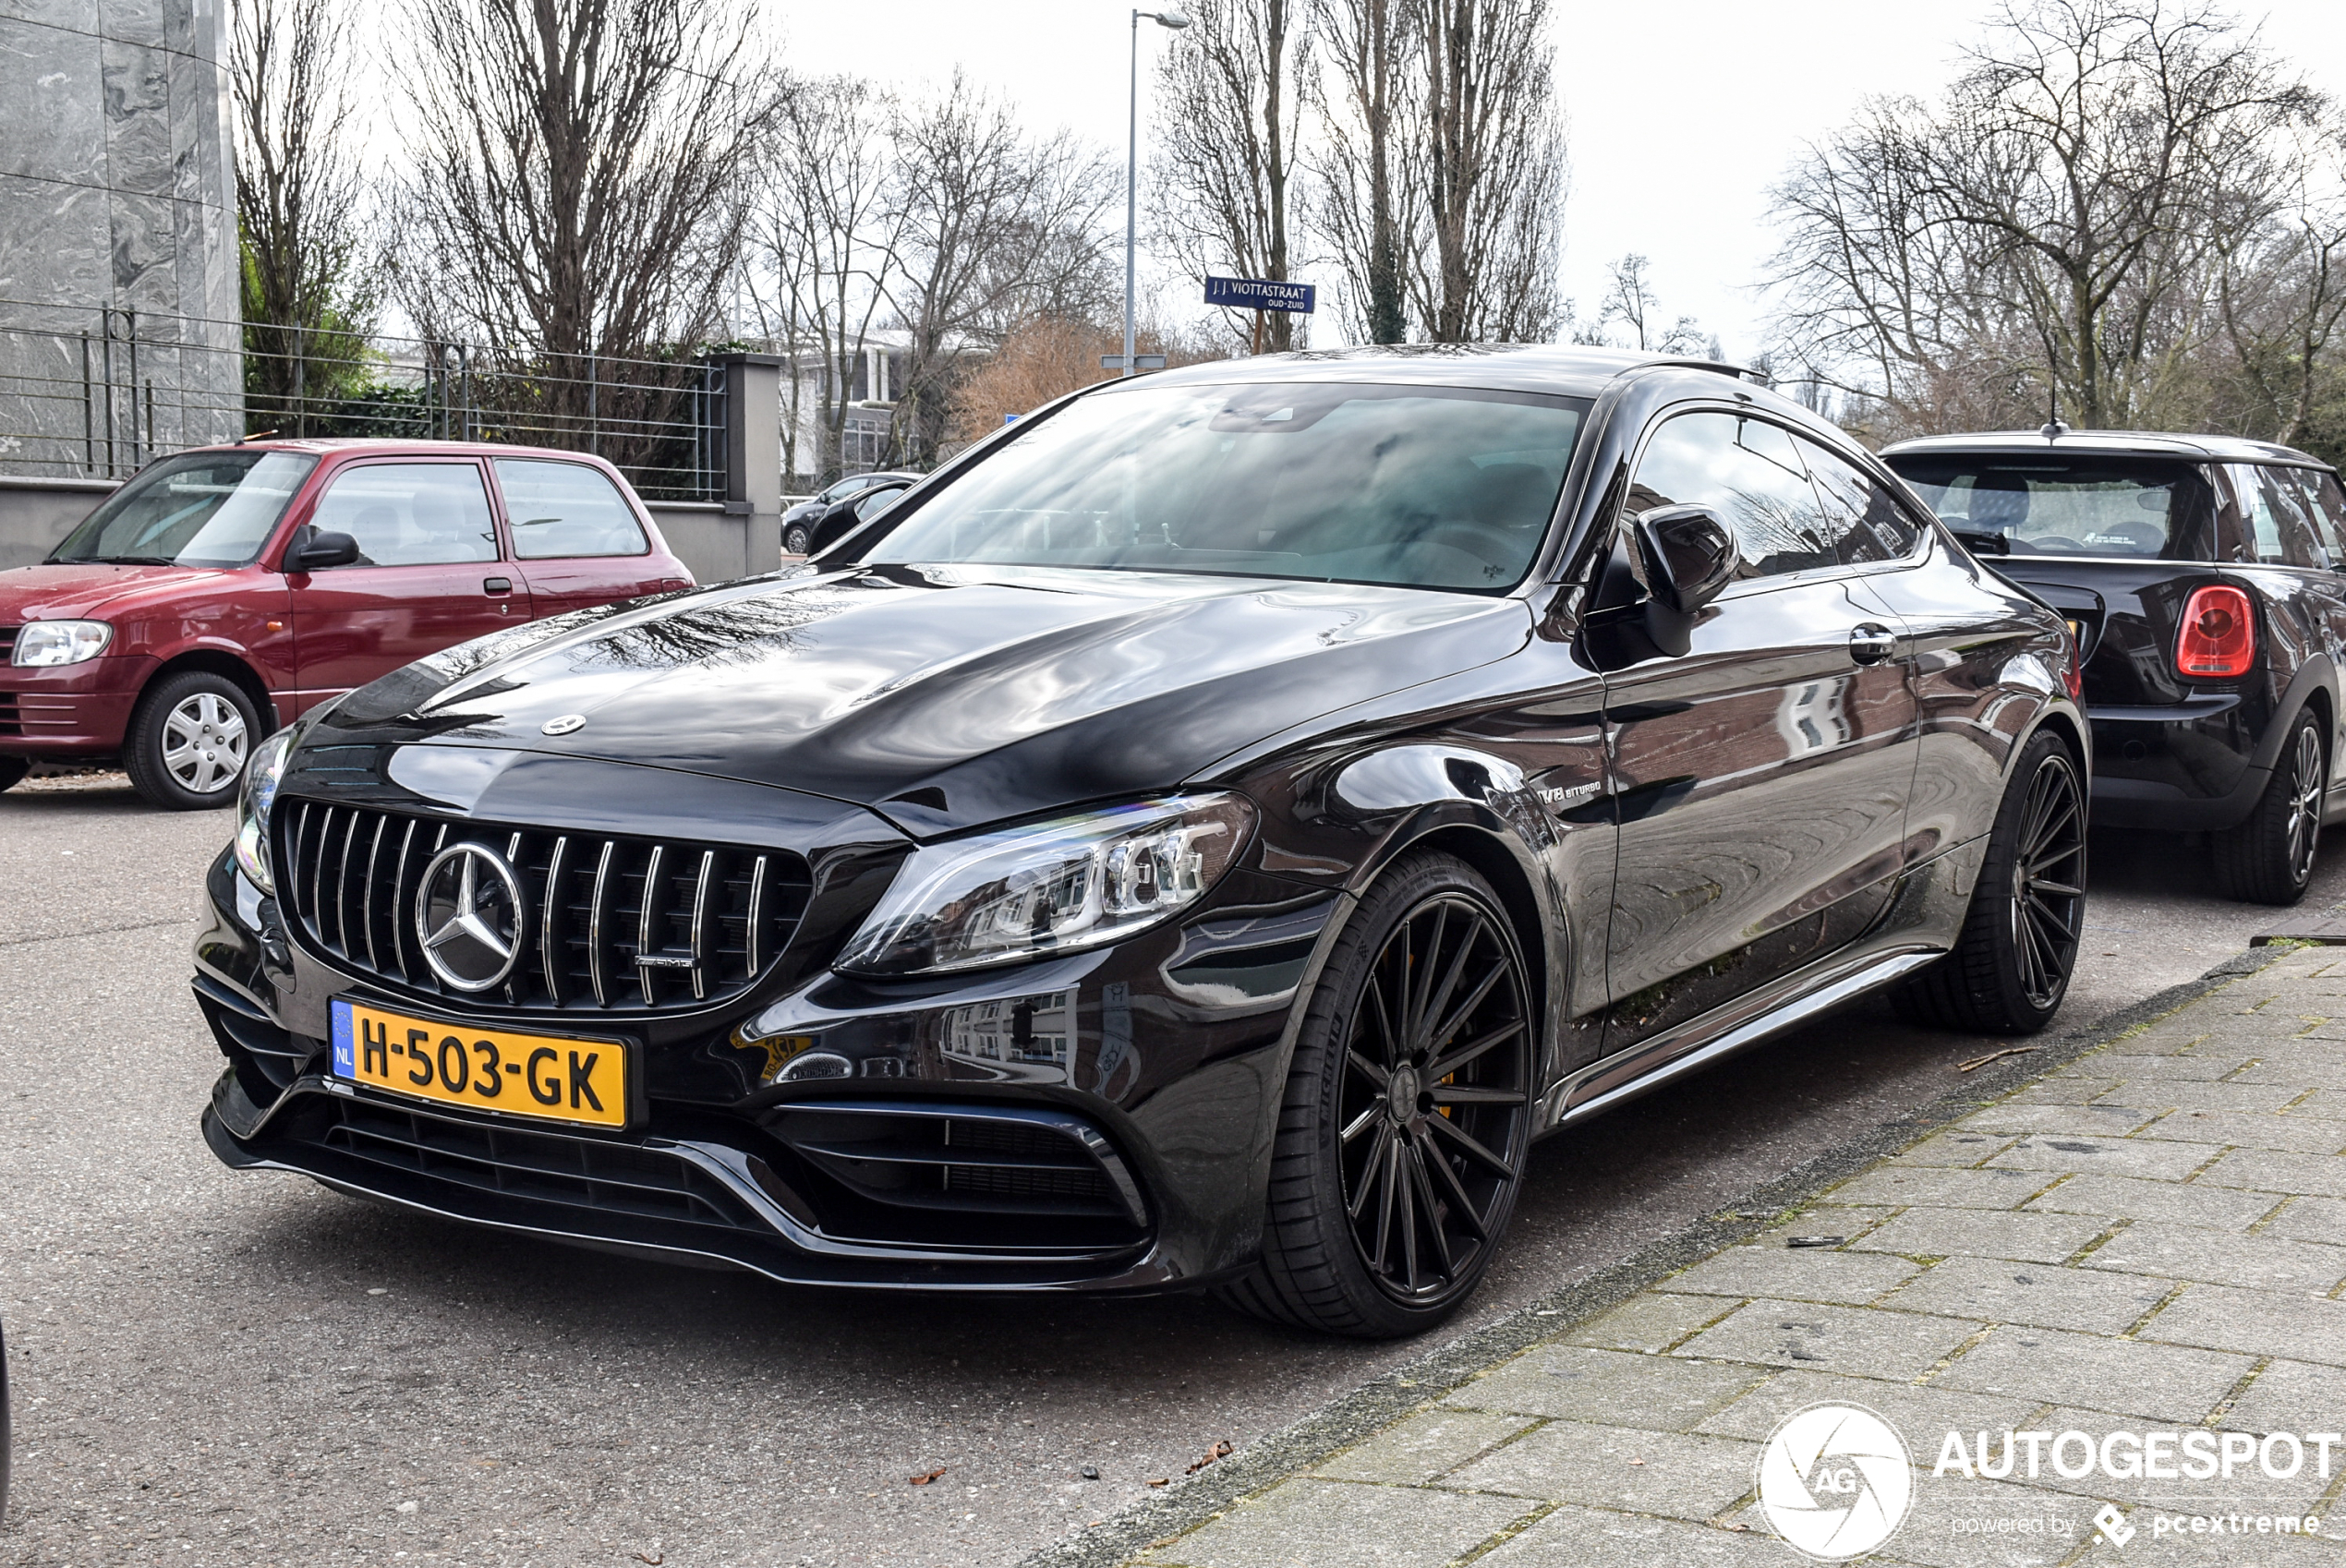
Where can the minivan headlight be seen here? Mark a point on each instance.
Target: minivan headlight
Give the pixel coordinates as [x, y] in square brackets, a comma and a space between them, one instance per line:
[1050, 888]
[45, 644]
[253, 802]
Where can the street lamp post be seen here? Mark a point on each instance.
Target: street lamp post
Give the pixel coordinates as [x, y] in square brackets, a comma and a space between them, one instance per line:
[1165, 19]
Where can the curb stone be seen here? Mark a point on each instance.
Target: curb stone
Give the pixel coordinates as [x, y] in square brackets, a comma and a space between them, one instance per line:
[1352, 1417]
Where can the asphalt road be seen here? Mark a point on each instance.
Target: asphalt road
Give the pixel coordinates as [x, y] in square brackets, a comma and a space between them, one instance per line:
[216, 1369]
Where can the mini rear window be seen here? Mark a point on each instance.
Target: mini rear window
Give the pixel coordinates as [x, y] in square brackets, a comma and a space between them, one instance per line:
[2142, 508]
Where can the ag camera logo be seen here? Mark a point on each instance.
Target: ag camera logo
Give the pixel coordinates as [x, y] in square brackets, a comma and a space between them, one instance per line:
[1835, 1482]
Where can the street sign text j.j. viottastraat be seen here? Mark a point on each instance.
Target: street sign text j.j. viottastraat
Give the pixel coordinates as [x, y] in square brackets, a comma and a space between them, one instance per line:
[1260, 293]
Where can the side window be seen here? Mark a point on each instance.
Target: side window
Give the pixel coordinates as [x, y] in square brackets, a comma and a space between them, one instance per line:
[2281, 527]
[1750, 473]
[2327, 500]
[1862, 513]
[565, 509]
[410, 513]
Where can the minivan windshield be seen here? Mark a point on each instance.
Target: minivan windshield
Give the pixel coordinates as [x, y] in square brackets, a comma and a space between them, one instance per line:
[1416, 486]
[198, 509]
[2051, 504]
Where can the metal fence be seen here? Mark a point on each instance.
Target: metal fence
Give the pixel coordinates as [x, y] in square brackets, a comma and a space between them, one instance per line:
[99, 394]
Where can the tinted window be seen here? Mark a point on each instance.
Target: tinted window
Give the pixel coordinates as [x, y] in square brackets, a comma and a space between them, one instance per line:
[200, 509]
[410, 513]
[1427, 486]
[2328, 501]
[2281, 528]
[563, 509]
[1862, 512]
[2027, 505]
[1751, 474]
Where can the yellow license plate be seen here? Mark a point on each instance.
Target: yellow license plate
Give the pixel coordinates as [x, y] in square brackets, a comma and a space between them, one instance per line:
[546, 1077]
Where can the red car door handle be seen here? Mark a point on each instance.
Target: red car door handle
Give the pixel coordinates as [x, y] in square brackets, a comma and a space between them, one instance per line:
[497, 586]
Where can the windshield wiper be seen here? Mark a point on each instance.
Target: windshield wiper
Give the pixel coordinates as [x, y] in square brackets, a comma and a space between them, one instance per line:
[132, 560]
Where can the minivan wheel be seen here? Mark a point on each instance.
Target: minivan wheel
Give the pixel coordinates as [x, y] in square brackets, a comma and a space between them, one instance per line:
[12, 771]
[2269, 858]
[189, 739]
[2010, 968]
[1401, 1140]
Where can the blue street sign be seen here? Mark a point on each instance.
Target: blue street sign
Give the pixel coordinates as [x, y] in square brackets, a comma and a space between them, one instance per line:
[1260, 293]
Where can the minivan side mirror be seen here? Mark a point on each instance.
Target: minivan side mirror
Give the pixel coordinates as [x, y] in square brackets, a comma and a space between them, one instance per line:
[1689, 555]
[318, 550]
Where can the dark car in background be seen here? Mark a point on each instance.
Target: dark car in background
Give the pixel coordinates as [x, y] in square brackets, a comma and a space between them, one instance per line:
[798, 522]
[2205, 580]
[1200, 838]
[226, 590]
[842, 517]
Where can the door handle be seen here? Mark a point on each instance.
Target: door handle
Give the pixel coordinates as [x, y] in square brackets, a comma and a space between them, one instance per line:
[1871, 643]
[497, 586]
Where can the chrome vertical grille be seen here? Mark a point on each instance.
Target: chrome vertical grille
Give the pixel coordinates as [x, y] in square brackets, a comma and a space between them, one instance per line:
[608, 925]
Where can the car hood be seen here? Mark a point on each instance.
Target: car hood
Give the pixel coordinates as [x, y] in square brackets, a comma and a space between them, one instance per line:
[86, 591]
[942, 697]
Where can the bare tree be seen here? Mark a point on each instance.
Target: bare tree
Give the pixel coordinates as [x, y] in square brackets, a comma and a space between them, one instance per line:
[1231, 100]
[1630, 303]
[2282, 302]
[301, 206]
[830, 236]
[2056, 232]
[1495, 173]
[579, 176]
[993, 228]
[1367, 193]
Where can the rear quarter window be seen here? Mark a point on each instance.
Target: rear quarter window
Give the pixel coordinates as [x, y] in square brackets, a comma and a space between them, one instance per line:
[566, 508]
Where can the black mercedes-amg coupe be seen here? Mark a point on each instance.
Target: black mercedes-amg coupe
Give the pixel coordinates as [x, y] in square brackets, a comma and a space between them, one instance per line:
[1199, 838]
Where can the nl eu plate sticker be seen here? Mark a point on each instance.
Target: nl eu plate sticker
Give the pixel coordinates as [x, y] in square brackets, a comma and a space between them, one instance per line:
[346, 1061]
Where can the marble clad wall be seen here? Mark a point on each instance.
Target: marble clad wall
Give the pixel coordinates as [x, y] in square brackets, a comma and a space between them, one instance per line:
[117, 190]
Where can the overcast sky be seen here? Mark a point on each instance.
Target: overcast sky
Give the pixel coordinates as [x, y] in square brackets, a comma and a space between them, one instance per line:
[1681, 113]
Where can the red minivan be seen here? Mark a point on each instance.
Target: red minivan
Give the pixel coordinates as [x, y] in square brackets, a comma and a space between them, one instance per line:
[227, 590]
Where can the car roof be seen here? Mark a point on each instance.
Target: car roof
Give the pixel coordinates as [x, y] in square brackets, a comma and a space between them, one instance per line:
[2130, 444]
[395, 444]
[1568, 369]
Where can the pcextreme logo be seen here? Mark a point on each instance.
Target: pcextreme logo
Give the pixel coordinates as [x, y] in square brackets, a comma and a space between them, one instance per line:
[1835, 1482]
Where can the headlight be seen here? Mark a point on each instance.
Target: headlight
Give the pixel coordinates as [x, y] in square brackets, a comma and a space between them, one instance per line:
[45, 643]
[260, 792]
[1051, 888]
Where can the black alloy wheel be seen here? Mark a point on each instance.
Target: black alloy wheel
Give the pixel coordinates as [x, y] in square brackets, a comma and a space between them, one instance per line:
[2011, 966]
[1408, 1110]
[2269, 858]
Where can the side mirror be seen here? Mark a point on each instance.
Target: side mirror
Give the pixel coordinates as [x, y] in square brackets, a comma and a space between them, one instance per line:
[1689, 555]
[318, 552]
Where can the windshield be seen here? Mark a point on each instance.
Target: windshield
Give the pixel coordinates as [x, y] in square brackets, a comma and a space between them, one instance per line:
[1416, 486]
[198, 509]
[2084, 505]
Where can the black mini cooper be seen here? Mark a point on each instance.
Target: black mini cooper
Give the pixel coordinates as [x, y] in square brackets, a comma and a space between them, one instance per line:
[1199, 838]
[2205, 579]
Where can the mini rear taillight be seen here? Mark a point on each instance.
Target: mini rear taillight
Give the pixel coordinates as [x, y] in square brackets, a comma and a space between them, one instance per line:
[2219, 633]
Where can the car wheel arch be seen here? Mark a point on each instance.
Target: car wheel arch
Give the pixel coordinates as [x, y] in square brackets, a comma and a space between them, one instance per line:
[213, 661]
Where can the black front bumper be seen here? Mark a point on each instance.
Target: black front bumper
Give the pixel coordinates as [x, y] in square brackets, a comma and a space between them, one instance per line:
[921, 1136]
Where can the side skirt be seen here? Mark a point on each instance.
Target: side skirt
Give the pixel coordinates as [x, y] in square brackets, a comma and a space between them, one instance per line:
[1799, 997]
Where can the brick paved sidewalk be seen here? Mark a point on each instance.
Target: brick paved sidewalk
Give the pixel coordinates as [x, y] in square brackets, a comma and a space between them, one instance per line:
[2153, 1237]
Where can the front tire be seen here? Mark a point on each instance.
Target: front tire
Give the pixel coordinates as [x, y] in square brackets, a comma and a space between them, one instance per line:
[2269, 858]
[2010, 968]
[189, 739]
[12, 771]
[1402, 1137]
